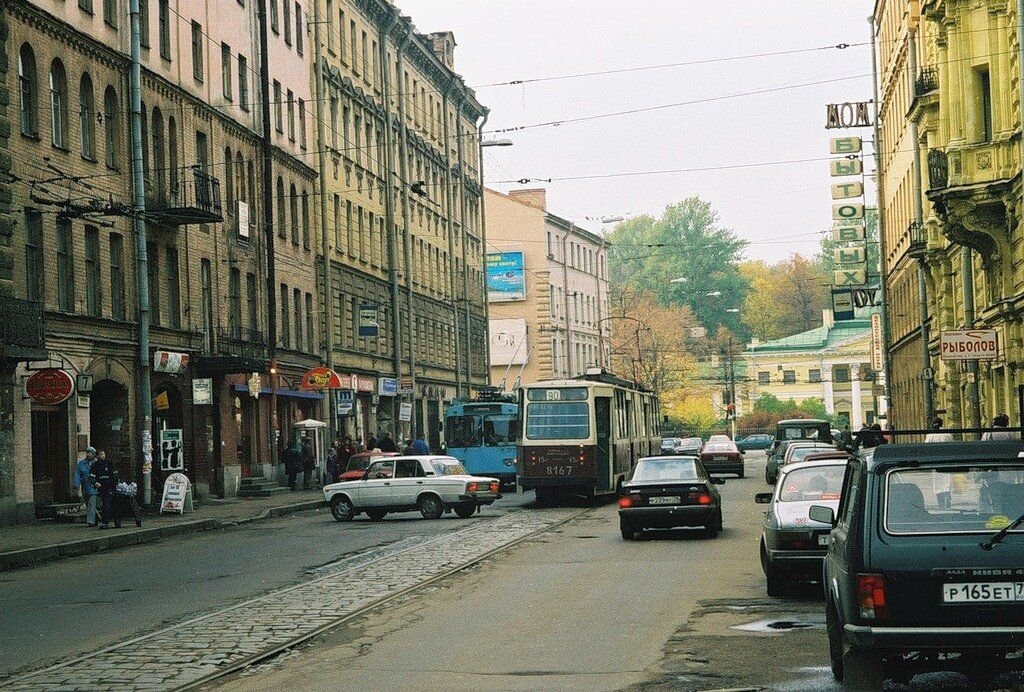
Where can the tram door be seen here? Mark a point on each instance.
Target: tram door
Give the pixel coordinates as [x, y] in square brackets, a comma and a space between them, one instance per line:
[603, 428]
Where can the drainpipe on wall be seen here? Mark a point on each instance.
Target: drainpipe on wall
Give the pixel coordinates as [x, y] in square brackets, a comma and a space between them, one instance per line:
[403, 164]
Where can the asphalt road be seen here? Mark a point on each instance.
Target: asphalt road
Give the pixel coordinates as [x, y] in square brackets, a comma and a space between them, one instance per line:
[78, 605]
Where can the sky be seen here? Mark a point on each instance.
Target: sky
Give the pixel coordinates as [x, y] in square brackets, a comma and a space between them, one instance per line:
[779, 209]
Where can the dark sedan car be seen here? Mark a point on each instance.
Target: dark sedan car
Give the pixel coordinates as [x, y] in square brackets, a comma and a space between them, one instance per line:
[722, 457]
[669, 492]
[927, 557]
[755, 441]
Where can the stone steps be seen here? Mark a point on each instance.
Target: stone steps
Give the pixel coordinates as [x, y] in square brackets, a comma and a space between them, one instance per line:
[260, 487]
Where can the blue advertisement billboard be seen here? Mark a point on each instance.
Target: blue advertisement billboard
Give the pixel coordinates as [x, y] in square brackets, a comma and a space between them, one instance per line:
[506, 277]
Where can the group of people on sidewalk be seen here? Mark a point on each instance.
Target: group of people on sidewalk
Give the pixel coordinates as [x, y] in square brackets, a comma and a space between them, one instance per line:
[99, 487]
[342, 450]
[872, 435]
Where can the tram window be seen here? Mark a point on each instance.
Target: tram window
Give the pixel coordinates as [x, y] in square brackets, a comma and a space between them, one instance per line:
[558, 421]
[463, 431]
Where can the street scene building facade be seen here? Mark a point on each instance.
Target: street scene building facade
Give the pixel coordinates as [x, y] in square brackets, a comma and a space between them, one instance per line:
[951, 114]
[547, 282]
[830, 363]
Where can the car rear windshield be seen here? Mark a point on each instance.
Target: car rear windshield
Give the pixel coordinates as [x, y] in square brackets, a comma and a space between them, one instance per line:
[719, 447]
[800, 452]
[817, 483]
[954, 499]
[666, 470]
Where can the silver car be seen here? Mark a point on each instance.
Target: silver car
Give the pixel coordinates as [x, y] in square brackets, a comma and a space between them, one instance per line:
[793, 545]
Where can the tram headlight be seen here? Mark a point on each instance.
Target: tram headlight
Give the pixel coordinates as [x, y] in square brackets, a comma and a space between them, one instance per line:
[510, 462]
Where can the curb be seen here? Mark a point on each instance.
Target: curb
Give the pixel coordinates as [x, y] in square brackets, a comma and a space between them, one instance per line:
[26, 557]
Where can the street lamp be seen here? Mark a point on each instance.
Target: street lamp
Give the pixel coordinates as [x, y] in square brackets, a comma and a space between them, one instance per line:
[504, 142]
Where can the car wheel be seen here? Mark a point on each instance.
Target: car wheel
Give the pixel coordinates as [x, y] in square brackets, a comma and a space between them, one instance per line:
[628, 531]
[376, 514]
[711, 530]
[835, 642]
[342, 509]
[862, 669]
[718, 521]
[465, 510]
[739, 474]
[431, 507]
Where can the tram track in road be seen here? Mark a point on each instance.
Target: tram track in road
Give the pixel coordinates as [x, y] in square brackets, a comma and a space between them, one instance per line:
[197, 652]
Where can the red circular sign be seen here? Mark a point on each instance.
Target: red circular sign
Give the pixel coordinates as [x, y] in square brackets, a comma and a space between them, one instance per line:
[50, 387]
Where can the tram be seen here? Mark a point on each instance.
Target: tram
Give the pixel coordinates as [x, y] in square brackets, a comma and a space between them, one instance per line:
[483, 434]
[583, 436]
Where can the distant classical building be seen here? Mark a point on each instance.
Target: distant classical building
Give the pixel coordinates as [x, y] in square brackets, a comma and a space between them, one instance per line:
[547, 282]
[830, 363]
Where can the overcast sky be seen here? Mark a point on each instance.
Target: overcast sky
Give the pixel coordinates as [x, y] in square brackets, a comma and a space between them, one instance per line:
[779, 209]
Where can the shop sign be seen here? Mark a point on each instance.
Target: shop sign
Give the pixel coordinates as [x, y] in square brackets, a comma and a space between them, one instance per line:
[365, 384]
[865, 297]
[172, 450]
[844, 145]
[849, 234]
[405, 412]
[842, 304]
[840, 116]
[319, 379]
[841, 168]
[506, 276]
[170, 362]
[347, 381]
[344, 400]
[387, 386]
[368, 326]
[50, 387]
[177, 495]
[202, 391]
[847, 190]
[849, 255]
[850, 277]
[255, 384]
[848, 210]
[876, 342]
[969, 344]
[406, 386]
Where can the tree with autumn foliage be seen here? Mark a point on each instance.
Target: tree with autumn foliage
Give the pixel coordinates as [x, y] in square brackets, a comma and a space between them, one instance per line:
[784, 298]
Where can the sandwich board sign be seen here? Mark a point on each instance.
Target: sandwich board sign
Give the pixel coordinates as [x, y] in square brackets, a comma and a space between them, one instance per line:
[177, 495]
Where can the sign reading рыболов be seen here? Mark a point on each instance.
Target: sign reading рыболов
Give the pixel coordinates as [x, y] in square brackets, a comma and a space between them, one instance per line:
[969, 344]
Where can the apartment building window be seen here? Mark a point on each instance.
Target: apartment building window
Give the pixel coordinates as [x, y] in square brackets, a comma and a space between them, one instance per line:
[983, 94]
[58, 104]
[65, 268]
[305, 219]
[287, 19]
[110, 133]
[243, 83]
[293, 207]
[282, 229]
[273, 16]
[341, 35]
[87, 117]
[353, 46]
[841, 374]
[814, 376]
[225, 70]
[206, 288]
[153, 273]
[334, 123]
[117, 307]
[172, 153]
[235, 303]
[291, 116]
[302, 123]
[164, 27]
[85, 5]
[349, 230]
[789, 376]
[285, 336]
[297, 304]
[365, 57]
[298, 28]
[28, 92]
[144, 23]
[110, 12]
[173, 289]
[330, 26]
[197, 52]
[252, 298]
[33, 255]
[278, 108]
[93, 285]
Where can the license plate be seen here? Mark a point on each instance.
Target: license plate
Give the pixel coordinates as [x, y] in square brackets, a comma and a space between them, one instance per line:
[719, 458]
[823, 539]
[666, 500]
[984, 592]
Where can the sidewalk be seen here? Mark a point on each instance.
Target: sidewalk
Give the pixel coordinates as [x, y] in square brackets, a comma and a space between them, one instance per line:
[42, 541]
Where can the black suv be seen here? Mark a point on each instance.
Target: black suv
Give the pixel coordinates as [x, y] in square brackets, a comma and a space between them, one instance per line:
[926, 557]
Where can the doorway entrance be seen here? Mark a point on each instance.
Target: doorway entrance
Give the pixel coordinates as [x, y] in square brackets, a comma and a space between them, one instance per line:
[51, 468]
[108, 423]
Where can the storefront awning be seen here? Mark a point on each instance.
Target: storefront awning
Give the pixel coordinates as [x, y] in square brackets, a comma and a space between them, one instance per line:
[282, 392]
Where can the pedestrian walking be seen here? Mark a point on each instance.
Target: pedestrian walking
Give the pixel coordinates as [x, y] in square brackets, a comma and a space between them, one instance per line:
[82, 483]
[308, 463]
[125, 503]
[999, 431]
[420, 446]
[332, 462]
[292, 464]
[103, 477]
[407, 450]
[386, 443]
[846, 438]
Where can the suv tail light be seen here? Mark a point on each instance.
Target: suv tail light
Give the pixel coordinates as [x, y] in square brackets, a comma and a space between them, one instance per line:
[871, 596]
[625, 501]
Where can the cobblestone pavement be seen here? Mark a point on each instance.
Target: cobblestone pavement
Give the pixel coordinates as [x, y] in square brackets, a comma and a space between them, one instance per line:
[185, 653]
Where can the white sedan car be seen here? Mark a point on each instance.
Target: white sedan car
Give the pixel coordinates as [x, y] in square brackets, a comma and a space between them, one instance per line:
[430, 484]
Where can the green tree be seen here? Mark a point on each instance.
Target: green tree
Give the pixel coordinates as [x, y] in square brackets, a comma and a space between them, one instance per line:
[784, 298]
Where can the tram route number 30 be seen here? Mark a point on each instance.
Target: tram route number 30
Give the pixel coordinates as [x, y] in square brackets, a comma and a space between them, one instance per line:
[559, 470]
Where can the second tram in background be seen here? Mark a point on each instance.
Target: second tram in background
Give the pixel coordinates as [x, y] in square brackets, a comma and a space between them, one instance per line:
[583, 436]
[483, 434]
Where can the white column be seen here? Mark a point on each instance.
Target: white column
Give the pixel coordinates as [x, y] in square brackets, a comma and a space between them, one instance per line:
[826, 389]
[856, 407]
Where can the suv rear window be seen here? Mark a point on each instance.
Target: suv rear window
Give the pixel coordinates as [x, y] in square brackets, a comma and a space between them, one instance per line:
[817, 483]
[954, 499]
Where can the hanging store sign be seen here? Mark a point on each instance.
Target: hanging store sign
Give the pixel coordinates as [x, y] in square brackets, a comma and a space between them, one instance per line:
[319, 379]
[50, 387]
[848, 210]
[202, 391]
[849, 255]
[344, 401]
[387, 386]
[368, 325]
[365, 384]
[177, 495]
[969, 344]
[850, 277]
[844, 145]
[840, 116]
[842, 305]
[170, 362]
[877, 362]
[847, 190]
[406, 386]
[865, 297]
[845, 167]
[255, 384]
[405, 412]
[849, 234]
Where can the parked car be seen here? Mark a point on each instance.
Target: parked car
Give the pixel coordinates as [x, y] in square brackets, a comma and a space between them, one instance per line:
[719, 438]
[431, 484]
[792, 545]
[359, 462]
[669, 444]
[798, 451]
[690, 446]
[804, 429]
[667, 492]
[782, 452]
[722, 457]
[755, 441]
[926, 556]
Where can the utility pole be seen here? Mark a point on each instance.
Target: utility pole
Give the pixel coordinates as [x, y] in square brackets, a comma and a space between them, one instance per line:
[145, 403]
[565, 300]
[732, 388]
[403, 164]
[268, 225]
[452, 279]
[967, 270]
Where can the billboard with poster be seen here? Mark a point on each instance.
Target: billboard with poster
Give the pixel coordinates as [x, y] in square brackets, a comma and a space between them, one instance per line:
[506, 277]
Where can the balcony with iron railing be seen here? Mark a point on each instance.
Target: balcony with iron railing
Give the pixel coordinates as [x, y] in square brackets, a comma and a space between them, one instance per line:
[918, 239]
[192, 198]
[938, 170]
[927, 81]
[241, 341]
[22, 329]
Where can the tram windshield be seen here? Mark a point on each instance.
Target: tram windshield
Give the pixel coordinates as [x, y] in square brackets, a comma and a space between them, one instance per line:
[498, 430]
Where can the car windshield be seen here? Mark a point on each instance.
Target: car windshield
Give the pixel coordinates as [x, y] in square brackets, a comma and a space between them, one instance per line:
[666, 470]
[558, 421]
[954, 499]
[691, 442]
[799, 453]
[716, 447]
[812, 483]
[448, 467]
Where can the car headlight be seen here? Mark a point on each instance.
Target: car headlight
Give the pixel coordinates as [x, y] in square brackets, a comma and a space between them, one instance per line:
[510, 462]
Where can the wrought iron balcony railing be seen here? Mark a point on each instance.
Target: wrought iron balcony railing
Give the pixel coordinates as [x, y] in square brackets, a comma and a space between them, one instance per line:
[241, 341]
[927, 81]
[918, 240]
[938, 170]
[193, 201]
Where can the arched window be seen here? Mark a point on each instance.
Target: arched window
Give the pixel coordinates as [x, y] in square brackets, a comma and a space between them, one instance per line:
[250, 179]
[229, 178]
[145, 149]
[28, 92]
[282, 229]
[293, 204]
[87, 116]
[240, 192]
[110, 134]
[159, 169]
[58, 104]
[305, 219]
[172, 153]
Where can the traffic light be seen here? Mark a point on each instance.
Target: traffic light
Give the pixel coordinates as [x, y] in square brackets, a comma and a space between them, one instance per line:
[730, 411]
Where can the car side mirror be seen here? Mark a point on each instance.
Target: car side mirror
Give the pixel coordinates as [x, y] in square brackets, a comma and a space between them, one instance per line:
[763, 498]
[717, 481]
[743, 451]
[823, 515]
